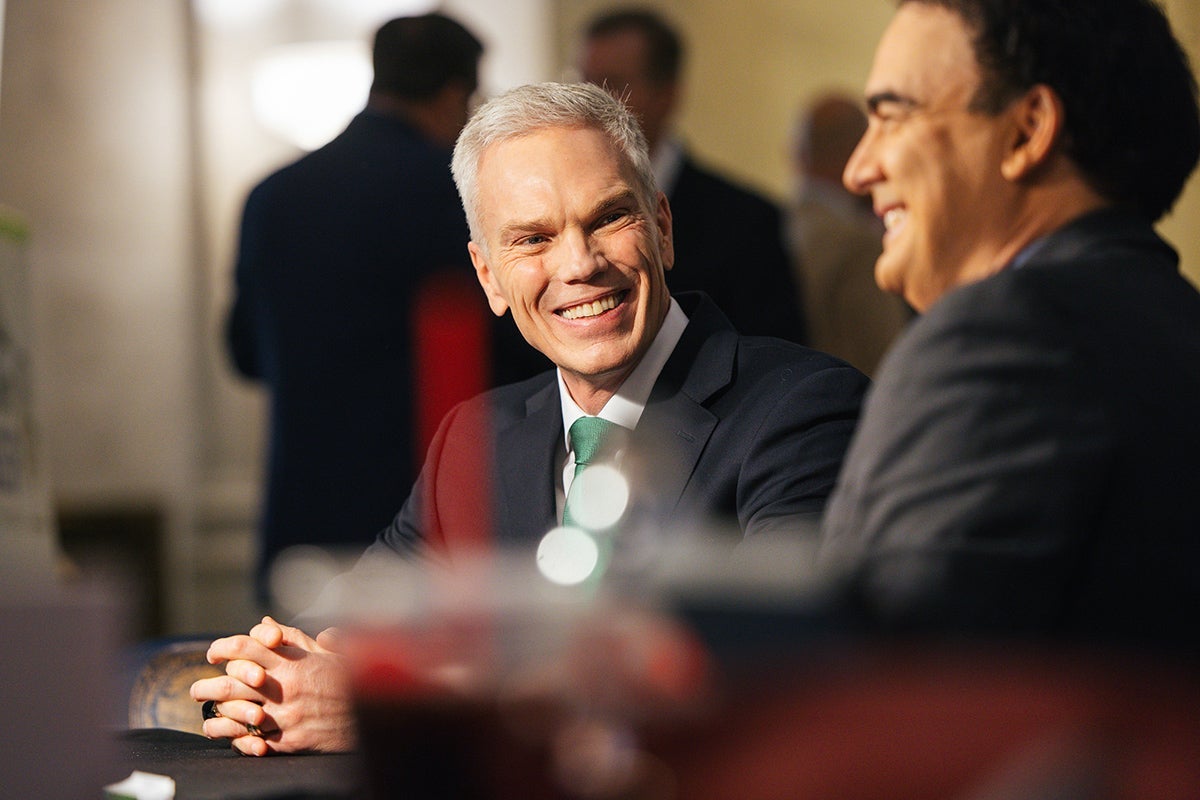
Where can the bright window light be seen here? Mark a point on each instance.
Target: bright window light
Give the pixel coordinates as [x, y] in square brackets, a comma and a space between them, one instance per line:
[306, 92]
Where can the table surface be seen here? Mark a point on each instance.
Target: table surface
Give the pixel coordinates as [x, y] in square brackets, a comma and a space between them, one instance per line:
[907, 723]
[205, 769]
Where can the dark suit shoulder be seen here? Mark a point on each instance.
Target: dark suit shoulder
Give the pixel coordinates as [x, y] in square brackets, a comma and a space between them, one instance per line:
[773, 353]
[511, 402]
[699, 181]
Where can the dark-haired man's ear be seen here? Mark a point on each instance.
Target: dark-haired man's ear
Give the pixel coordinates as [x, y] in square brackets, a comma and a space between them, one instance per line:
[1038, 116]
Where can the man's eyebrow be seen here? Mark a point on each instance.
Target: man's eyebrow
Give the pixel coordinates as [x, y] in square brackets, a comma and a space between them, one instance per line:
[519, 228]
[874, 101]
[514, 230]
[622, 197]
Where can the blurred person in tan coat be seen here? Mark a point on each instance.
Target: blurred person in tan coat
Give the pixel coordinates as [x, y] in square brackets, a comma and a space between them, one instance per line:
[834, 240]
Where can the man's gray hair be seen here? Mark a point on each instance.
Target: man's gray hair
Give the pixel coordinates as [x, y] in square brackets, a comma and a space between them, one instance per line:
[528, 109]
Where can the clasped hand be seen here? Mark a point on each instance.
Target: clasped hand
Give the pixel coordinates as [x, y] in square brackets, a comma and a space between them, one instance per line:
[292, 689]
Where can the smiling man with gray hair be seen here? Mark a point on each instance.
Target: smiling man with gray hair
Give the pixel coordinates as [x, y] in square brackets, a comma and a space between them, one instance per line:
[571, 236]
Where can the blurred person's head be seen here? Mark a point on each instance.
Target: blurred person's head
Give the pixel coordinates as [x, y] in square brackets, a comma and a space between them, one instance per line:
[638, 56]
[427, 68]
[994, 122]
[827, 131]
[568, 230]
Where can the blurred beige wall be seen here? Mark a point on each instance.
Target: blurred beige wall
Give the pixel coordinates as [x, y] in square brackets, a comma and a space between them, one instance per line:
[1182, 227]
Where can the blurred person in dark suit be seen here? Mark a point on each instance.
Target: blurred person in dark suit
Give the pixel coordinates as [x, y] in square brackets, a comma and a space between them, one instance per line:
[728, 238]
[1027, 461]
[334, 250]
[834, 240]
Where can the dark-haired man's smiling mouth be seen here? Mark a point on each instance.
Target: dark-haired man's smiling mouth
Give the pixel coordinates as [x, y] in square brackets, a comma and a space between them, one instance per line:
[595, 308]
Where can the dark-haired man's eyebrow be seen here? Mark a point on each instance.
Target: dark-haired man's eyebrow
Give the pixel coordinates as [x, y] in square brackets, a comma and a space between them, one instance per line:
[878, 99]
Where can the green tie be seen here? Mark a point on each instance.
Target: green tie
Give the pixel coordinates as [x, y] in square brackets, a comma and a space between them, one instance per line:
[587, 435]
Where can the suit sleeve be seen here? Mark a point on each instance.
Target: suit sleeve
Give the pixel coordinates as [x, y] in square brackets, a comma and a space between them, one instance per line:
[241, 324]
[792, 464]
[965, 496]
[449, 509]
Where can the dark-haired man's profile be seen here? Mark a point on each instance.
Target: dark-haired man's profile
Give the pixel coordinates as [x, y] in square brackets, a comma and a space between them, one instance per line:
[1027, 461]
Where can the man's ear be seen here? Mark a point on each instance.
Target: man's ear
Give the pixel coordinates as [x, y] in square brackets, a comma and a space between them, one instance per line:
[487, 280]
[662, 218]
[1038, 119]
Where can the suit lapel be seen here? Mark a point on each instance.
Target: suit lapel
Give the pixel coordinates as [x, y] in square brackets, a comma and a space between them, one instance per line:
[676, 425]
[525, 497]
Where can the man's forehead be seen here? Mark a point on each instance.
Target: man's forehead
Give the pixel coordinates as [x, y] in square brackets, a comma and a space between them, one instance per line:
[524, 169]
[926, 52]
[539, 144]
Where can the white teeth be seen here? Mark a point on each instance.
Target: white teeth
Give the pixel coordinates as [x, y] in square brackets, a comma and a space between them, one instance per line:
[894, 217]
[592, 309]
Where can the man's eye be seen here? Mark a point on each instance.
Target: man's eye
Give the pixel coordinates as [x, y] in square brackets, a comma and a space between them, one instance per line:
[611, 217]
[534, 239]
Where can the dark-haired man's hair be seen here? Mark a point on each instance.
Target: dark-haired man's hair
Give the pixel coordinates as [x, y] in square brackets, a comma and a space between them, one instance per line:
[414, 57]
[1132, 121]
[664, 48]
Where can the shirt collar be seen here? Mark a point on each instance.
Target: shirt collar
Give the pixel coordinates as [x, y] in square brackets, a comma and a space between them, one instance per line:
[626, 406]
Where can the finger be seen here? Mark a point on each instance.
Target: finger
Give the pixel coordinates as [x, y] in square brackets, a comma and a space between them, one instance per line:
[247, 672]
[243, 742]
[268, 633]
[251, 746]
[224, 688]
[330, 639]
[224, 728]
[202, 690]
[245, 713]
[295, 637]
[243, 647]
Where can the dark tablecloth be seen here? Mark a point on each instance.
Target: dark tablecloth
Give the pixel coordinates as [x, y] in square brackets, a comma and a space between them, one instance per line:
[204, 769]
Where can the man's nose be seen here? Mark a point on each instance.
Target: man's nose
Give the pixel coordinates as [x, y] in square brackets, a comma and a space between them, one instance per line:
[862, 168]
[578, 258]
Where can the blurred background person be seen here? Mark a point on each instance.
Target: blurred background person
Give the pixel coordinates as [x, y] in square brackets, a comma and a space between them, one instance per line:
[334, 250]
[834, 239]
[728, 239]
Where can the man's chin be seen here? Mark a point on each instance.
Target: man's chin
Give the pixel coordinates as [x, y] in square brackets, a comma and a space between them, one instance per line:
[888, 278]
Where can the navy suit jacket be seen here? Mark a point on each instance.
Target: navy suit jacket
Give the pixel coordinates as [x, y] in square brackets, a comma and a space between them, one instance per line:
[1029, 457]
[747, 431]
[334, 249]
[729, 243]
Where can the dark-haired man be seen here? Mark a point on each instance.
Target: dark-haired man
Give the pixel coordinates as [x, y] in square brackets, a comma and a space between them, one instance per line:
[1028, 459]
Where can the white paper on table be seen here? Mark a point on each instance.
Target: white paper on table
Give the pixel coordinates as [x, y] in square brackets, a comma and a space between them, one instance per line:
[142, 786]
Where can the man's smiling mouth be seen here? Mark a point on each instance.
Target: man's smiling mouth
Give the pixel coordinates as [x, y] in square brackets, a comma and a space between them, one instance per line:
[595, 308]
[894, 218]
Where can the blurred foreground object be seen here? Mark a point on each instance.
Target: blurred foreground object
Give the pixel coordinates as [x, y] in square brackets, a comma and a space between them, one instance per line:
[931, 721]
[494, 682]
[27, 540]
[58, 691]
[487, 683]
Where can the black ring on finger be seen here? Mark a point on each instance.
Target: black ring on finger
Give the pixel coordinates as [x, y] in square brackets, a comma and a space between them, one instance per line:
[209, 710]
